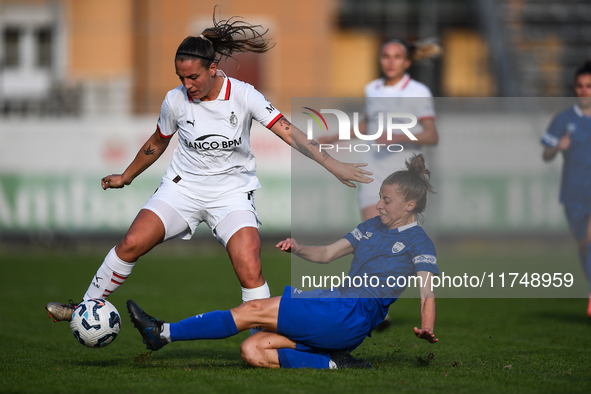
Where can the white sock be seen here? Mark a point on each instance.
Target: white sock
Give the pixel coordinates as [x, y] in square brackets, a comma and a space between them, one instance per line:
[165, 334]
[256, 294]
[110, 275]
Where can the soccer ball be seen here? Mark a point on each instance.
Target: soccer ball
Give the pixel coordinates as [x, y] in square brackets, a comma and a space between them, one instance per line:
[95, 323]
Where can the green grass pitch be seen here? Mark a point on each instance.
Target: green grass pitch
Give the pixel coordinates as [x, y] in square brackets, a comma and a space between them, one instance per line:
[486, 345]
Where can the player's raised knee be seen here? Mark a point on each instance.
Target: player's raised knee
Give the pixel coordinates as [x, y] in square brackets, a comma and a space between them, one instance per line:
[252, 352]
[133, 246]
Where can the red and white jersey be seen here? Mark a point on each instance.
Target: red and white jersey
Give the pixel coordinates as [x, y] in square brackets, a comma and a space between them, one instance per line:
[405, 88]
[213, 156]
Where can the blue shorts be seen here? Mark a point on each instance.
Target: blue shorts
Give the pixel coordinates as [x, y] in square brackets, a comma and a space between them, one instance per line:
[578, 220]
[330, 324]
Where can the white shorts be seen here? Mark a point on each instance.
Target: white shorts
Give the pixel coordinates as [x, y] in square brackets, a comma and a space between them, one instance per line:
[181, 214]
[381, 166]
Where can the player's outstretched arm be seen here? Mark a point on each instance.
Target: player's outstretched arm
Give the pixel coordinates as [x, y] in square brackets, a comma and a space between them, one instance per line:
[428, 309]
[317, 254]
[345, 172]
[148, 154]
[331, 139]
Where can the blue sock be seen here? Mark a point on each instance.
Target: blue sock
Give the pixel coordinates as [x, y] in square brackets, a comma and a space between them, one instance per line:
[291, 358]
[211, 325]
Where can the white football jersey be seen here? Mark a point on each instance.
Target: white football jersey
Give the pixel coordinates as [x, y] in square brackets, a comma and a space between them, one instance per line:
[406, 96]
[420, 102]
[213, 156]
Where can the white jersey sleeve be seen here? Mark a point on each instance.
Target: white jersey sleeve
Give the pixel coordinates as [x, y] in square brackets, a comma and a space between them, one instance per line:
[423, 104]
[261, 109]
[167, 122]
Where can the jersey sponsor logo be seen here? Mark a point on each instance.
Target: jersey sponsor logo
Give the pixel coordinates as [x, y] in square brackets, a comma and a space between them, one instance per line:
[398, 246]
[233, 120]
[270, 107]
[357, 234]
[425, 259]
[201, 143]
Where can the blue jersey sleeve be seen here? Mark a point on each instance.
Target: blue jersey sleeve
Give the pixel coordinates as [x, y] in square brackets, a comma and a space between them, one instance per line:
[555, 131]
[423, 255]
[355, 236]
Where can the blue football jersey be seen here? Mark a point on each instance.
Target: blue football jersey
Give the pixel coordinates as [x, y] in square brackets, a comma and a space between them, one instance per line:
[356, 308]
[575, 189]
[389, 254]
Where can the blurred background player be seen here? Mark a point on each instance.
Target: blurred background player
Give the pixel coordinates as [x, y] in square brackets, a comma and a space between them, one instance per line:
[319, 328]
[211, 177]
[570, 133]
[396, 57]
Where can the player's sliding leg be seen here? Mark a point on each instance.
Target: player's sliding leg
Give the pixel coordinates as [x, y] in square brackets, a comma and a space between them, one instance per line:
[272, 350]
[212, 325]
[264, 349]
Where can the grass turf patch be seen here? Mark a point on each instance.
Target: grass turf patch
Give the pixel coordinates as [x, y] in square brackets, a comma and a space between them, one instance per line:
[486, 345]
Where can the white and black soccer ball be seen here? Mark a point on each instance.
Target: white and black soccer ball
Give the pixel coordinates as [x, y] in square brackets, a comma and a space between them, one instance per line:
[95, 323]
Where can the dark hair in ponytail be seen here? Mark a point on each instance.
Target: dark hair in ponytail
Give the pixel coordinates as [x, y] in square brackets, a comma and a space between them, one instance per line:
[584, 69]
[413, 183]
[222, 40]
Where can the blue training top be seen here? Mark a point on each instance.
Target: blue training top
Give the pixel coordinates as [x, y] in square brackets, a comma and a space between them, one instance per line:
[575, 189]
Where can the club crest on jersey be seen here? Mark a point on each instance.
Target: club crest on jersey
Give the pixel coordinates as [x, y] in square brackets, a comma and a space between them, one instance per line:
[398, 246]
[233, 120]
[571, 127]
